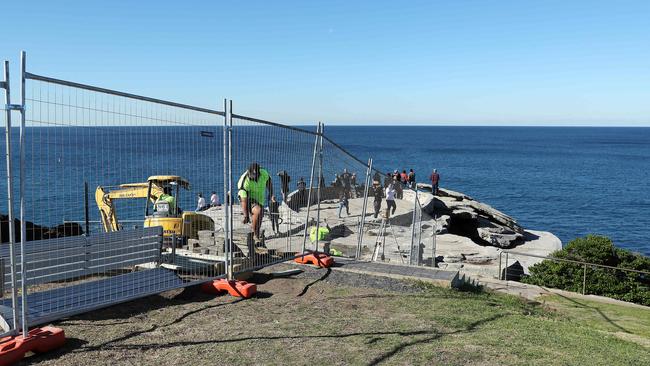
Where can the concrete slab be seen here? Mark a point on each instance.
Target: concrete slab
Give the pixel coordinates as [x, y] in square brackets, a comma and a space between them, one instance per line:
[436, 276]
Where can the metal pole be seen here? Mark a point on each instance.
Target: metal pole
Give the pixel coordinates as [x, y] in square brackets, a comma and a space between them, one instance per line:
[434, 238]
[365, 205]
[320, 179]
[415, 205]
[23, 227]
[356, 254]
[311, 180]
[174, 243]
[383, 240]
[499, 273]
[86, 212]
[231, 196]
[10, 201]
[584, 278]
[226, 201]
[505, 270]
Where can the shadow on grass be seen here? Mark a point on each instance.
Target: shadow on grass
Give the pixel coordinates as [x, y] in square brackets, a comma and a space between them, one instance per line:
[600, 312]
[306, 288]
[402, 346]
[77, 345]
[132, 308]
[373, 337]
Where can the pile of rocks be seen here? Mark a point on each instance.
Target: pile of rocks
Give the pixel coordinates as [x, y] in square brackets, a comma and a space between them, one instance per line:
[460, 214]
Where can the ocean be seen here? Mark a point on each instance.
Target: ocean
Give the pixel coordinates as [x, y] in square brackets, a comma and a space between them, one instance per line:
[569, 181]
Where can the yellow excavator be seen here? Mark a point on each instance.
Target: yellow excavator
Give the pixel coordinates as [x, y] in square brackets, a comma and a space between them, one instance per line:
[162, 193]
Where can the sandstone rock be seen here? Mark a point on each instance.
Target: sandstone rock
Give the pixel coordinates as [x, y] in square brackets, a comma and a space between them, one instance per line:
[499, 237]
[479, 259]
[513, 272]
[453, 258]
[464, 214]
[496, 215]
[442, 192]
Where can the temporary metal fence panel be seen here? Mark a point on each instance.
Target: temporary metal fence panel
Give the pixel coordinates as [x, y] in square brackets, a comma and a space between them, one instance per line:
[133, 163]
[341, 211]
[285, 158]
[417, 246]
[578, 276]
[393, 227]
[121, 195]
[8, 288]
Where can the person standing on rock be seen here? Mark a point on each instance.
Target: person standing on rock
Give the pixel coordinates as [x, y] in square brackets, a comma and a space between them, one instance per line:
[214, 200]
[201, 205]
[435, 181]
[404, 178]
[302, 191]
[284, 183]
[274, 214]
[387, 179]
[343, 203]
[399, 188]
[412, 179]
[377, 178]
[390, 199]
[346, 180]
[378, 193]
[252, 185]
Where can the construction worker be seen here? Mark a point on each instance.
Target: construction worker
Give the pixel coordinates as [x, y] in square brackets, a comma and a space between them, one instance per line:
[323, 236]
[252, 186]
[169, 198]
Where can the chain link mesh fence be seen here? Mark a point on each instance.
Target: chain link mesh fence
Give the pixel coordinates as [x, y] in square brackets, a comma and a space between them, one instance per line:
[123, 196]
[114, 190]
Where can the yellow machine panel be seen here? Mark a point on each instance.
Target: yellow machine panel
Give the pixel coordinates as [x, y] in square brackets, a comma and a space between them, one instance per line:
[193, 222]
[170, 225]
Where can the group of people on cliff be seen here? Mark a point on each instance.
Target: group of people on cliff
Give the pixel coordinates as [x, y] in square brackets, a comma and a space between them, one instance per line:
[255, 183]
[393, 188]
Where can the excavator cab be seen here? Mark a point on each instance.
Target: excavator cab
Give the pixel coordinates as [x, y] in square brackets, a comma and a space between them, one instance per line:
[162, 193]
[163, 209]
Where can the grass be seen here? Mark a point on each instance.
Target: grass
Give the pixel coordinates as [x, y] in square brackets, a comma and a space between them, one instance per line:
[330, 323]
[624, 321]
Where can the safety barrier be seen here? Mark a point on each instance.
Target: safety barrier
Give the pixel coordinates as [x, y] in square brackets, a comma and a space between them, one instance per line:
[88, 154]
[578, 276]
[397, 230]
[117, 196]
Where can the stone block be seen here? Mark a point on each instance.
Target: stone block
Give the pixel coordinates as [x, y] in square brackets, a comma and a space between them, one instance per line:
[206, 235]
[193, 243]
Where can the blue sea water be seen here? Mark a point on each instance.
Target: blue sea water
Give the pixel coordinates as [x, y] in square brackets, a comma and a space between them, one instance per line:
[569, 181]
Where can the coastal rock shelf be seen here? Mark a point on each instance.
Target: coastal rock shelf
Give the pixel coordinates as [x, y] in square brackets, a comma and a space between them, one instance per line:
[470, 235]
[462, 215]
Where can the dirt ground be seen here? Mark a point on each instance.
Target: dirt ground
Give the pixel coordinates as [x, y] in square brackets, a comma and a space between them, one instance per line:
[193, 328]
[325, 317]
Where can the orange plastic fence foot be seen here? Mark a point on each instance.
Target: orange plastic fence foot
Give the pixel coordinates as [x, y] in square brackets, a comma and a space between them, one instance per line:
[234, 288]
[321, 260]
[39, 340]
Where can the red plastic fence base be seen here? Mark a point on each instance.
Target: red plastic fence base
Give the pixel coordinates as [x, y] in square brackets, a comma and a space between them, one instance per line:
[39, 340]
[321, 260]
[234, 288]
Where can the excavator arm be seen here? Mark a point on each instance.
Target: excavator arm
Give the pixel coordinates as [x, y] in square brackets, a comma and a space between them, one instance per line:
[105, 197]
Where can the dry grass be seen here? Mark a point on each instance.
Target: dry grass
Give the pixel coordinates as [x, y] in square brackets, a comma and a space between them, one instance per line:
[323, 317]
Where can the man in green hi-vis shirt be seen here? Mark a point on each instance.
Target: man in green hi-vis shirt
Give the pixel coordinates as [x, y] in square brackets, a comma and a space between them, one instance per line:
[252, 187]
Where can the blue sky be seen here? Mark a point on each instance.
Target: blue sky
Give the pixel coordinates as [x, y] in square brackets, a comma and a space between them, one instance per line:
[343, 62]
